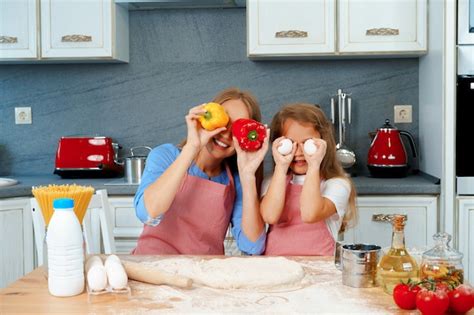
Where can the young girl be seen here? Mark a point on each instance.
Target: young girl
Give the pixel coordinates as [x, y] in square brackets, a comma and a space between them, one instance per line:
[309, 197]
[190, 193]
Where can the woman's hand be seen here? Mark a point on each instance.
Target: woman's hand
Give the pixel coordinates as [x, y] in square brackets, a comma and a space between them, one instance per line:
[314, 160]
[282, 161]
[248, 162]
[197, 136]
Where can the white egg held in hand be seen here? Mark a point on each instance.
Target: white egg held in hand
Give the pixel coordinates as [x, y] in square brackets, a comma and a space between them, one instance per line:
[285, 147]
[97, 278]
[310, 147]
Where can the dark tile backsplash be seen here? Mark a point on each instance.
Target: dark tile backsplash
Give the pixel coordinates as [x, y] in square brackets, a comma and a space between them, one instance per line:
[178, 59]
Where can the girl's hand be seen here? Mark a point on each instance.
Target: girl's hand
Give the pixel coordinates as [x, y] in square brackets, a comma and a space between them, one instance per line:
[281, 160]
[248, 162]
[198, 137]
[314, 160]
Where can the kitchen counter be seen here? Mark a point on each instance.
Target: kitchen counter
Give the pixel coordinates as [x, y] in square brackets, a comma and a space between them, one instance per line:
[411, 185]
[321, 291]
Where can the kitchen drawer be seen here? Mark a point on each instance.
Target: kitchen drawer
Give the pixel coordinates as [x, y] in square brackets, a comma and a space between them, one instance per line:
[420, 227]
[125, 222]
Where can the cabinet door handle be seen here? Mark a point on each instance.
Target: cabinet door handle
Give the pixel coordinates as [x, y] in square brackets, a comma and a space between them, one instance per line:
[382, 31]
[8, 39]
[386, 217]
[76, 38]
[291, 34]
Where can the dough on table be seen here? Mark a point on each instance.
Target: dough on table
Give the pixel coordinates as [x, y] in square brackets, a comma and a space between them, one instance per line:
[235, 272]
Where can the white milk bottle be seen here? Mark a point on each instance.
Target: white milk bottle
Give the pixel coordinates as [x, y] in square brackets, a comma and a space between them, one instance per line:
[65, 250]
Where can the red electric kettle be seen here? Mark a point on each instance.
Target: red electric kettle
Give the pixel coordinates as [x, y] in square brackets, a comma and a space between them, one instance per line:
[387, 155]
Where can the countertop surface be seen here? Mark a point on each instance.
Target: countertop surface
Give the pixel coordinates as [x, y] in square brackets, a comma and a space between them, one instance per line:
[413, 185]
[320, 291]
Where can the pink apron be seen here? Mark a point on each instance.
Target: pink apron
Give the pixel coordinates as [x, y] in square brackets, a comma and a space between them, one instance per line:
[291, 236]
[196, 222]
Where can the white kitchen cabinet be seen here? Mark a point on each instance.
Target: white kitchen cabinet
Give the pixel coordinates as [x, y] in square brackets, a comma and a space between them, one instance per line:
[310, 28]
[465, 208]
[70, 31]
[126, 226]
[16, 239]
[96, 29]
[420, 227]
[18, 24]
[382, 26]
[286, 28]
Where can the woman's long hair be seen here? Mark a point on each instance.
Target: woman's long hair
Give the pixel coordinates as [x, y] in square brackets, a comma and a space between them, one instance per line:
[330, 165]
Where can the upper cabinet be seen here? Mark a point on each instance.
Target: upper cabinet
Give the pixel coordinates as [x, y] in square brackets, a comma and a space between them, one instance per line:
[290, 27]
[382, 26]
[70, 30]
[312, 27]
[18, 24]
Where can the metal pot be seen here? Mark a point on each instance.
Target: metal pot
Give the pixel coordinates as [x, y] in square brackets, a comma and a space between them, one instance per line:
[134, 165]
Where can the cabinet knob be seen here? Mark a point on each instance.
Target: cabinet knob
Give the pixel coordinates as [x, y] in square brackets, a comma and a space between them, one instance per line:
[291, 34]
[76, 38]
[382, 31]
[386, 217]
[8, 39]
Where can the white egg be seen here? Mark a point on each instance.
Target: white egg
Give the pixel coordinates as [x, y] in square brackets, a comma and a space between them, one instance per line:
[93, 261]
[285, 147]
[112, 258]
[97, 278]
[116, 275]
[310, 147]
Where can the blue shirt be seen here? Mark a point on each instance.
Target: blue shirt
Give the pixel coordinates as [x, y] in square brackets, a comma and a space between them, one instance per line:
[159, 160]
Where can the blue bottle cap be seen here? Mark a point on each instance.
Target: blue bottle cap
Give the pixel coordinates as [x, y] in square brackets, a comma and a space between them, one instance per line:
[63, 203]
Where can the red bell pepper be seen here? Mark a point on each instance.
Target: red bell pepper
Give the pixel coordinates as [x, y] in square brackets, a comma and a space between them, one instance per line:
[249, 133]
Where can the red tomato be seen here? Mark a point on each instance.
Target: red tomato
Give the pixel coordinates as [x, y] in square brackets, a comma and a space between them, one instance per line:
[404, 296]
[461, 299]
[432, 302]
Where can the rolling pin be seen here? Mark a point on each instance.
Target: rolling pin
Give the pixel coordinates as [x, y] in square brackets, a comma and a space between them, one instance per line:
[154, 275]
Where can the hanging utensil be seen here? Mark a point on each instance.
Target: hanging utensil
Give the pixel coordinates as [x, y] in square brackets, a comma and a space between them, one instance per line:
[344, 154]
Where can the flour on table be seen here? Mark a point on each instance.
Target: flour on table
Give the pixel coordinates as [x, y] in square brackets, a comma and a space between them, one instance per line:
[236, 272]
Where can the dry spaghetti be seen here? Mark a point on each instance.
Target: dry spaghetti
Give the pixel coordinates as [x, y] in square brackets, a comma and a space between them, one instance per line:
[45, 195]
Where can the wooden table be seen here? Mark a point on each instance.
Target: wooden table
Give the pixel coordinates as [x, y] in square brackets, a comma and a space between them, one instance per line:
[322, 292]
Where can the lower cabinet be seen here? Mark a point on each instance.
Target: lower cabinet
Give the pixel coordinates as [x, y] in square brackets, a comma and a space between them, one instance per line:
[16, 239]
[465, 209]
[421, 222]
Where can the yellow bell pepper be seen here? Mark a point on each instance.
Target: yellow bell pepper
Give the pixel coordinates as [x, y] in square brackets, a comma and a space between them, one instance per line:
[214, 117]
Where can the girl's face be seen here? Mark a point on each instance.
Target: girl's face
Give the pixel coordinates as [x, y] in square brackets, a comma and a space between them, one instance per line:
[221, 146]
[299, 132]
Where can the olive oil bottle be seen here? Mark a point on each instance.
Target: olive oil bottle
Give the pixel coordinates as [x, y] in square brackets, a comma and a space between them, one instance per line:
[396, 265]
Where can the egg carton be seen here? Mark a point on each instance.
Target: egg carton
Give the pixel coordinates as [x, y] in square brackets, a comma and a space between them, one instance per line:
[108, 294]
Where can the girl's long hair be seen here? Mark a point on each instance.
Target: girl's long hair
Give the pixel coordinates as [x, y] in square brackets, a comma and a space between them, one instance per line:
[330, 166]
[253, 107]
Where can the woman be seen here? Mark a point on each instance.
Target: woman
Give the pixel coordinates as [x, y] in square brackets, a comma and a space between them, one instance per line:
[190, 193]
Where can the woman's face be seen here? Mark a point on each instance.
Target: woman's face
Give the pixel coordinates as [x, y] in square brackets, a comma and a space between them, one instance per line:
[299, 132]
[221, 146]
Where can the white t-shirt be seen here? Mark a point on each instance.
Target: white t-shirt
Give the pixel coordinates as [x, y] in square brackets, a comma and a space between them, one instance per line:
[336, 189]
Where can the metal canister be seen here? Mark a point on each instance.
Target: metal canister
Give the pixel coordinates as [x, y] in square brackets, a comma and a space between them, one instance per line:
[359, 265]
[134, 166]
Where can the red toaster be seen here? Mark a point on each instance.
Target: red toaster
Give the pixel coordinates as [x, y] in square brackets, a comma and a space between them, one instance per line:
[82, 156]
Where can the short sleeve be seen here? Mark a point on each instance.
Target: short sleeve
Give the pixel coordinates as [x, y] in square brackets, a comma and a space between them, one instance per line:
[338, 191]
[159, 159]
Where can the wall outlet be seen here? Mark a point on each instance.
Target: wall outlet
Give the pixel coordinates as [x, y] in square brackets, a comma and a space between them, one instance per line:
[402, 114]
[23, 115]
